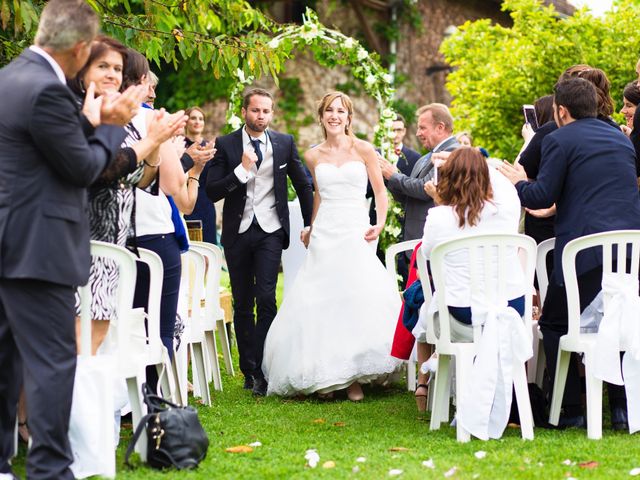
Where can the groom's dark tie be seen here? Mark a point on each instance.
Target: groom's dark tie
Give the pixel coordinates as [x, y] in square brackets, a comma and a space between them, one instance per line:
[256, 146]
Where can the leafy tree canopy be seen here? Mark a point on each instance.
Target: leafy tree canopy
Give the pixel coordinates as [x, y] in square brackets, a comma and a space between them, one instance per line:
[224, 35]
[498, 69]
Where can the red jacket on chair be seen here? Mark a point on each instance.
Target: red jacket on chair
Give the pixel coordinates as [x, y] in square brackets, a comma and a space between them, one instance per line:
[403, 339]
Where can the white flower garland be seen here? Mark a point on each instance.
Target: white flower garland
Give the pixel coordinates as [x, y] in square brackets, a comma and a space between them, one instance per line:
[343, 50]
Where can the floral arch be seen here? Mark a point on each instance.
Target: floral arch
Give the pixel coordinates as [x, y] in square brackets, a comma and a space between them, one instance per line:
[331, 48]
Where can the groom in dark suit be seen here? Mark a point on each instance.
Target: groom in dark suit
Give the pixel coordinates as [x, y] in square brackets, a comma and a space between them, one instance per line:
[249, 170]
[49, 153]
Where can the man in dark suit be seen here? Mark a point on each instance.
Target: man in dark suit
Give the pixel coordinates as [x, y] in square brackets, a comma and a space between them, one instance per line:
[249, 170]
[593, 184]
[435, 127]
[49, 153]
[407, 157]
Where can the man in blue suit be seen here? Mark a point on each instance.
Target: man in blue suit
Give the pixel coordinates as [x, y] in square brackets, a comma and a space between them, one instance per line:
[588, 171]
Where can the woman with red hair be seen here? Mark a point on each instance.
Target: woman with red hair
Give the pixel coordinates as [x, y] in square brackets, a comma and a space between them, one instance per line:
[471, 198]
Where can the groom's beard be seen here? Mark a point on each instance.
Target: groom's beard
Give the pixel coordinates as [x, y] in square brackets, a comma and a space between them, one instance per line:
[256, 127]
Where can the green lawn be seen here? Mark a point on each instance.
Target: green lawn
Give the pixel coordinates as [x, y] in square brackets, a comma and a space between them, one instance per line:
[387, 432]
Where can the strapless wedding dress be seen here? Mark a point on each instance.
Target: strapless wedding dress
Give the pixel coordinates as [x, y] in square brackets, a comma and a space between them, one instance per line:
[336, 324]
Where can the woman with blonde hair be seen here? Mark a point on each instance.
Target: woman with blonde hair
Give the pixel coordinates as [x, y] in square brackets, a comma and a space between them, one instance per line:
[334, 328]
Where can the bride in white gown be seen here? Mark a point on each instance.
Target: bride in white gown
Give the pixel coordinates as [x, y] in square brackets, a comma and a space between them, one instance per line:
[335, 327]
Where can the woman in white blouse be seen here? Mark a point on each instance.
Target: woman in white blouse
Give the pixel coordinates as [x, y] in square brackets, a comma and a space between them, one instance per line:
[471, 198]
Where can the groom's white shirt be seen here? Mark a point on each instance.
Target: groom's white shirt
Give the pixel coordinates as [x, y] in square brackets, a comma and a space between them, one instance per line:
[261, 198]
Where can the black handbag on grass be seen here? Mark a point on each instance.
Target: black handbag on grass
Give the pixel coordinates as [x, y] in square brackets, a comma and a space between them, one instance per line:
[175, 437]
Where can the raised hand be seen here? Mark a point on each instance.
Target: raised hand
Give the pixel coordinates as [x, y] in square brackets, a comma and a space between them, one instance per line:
[119, 109]
[201, 154]
[387, 168]
[527, 132]
[430, 189]
[164, 126]
[515, 173]
[92, 105]
[439, 158]
[249, 159]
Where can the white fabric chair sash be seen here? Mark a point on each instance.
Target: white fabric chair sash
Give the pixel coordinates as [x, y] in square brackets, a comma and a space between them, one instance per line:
[620, 330]
[485, 407]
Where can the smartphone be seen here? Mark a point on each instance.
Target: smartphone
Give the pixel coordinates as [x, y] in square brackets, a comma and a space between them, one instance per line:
[530, 116]
[435, 174]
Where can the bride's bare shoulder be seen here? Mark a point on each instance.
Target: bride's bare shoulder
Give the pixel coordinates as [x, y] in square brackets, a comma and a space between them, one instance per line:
[312, 155]
[363, 147]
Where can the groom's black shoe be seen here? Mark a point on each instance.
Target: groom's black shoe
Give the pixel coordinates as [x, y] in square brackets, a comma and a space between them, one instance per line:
[259, 387]
[248, 383]
[619, 418]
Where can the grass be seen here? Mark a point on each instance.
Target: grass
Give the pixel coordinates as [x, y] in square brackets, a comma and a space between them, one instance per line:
[387, 431]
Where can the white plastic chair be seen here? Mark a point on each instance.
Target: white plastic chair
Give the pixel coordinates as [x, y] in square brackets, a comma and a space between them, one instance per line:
[193, 339]
[213, 315]
[574, 340]
[480, 247]
[157, 354]
[130, 363]
[211, 362]
[390, 262]
[535, 366]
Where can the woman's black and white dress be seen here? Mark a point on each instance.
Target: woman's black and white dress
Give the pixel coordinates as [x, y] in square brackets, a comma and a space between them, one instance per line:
[111, 213]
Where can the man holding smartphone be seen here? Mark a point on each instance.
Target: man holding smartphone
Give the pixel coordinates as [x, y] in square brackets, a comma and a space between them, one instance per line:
[594, 187]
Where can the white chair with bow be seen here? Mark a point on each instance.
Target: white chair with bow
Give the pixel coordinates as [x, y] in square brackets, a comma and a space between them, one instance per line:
[619, 329]
[117, 349]
[536, 365]
[390, 262]
[490, 355]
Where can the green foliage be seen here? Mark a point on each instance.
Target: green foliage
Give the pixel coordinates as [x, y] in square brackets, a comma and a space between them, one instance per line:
[189, 86]
[18, 22]
[406, 109]
[289, 104]
[224, 35]
[497, 69]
